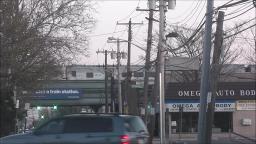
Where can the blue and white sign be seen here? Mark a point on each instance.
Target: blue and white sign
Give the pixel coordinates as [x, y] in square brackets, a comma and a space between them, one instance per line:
[58, 94]
[193, 106]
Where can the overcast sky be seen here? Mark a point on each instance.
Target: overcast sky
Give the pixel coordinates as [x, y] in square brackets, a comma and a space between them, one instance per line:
[187, 13]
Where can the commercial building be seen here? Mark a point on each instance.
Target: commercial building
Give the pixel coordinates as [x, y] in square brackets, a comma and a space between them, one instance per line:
[235, 106]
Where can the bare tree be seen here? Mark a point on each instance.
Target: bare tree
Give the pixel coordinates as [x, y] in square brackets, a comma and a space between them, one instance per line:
[249, 37]
[36, 37]
[189, 44]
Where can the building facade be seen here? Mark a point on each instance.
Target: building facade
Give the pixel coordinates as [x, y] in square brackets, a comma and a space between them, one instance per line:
[235, 105]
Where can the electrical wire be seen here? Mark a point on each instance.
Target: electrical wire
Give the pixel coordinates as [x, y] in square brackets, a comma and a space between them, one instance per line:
[239, 9]
[128, 16]
[198, 15]
[228, 4]
[104, 34]
[240, 31]
[192, 13]
[239, 14]
[244, 23]
[200, 26]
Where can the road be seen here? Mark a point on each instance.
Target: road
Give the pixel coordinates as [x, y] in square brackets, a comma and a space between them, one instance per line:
[219, 141]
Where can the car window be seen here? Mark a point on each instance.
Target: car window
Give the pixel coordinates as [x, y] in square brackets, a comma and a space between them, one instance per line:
[52, 127]
[88, 124]
[134, 124]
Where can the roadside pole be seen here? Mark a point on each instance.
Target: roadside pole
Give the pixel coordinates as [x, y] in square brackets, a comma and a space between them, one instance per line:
[215, 71]
[161, 59]
[147, 62]
[120, 103]
[129, 75]
[204, 87]
[105, 52]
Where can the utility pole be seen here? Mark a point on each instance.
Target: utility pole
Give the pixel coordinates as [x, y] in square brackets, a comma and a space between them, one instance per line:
[120, 106]
[128, 77]
[161, 60]
[112, 108]
[215, 71]
[106, 78]
[147, 62]
[204, 87]
[120, 103]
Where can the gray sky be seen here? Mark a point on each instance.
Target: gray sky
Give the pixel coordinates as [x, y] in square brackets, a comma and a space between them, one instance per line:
[187, 13]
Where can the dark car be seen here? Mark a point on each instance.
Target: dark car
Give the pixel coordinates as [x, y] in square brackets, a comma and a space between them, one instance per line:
[85, 128]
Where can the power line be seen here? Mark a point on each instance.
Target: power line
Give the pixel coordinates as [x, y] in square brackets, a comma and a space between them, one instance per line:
[244, 23]
[104, 34]
[231, 4]
[198, 15]
[239, 9]
[240, 31]
[128, 16]
[239, 14]
[193, 12]
[200, 26]
[182, 14]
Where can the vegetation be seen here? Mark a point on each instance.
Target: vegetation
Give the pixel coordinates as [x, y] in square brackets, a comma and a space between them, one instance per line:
[37, 36]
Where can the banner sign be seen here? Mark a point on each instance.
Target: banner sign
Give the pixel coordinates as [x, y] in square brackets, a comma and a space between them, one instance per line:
[226, 90]
[246, 105]
[194, 107]
[58, 94]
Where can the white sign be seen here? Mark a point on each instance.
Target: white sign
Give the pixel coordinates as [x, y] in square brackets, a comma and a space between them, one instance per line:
[246, 105]
[194, 107]
[27, 106]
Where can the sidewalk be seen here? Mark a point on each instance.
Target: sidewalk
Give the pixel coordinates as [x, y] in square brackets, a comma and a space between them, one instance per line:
[217, 138]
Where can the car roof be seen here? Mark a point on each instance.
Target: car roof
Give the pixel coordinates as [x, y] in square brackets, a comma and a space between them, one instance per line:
[98, 115]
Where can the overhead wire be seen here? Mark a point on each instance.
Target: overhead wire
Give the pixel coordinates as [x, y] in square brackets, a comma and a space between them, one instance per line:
[182, 14]
[130, 12]
[240, 25]
[240, 31]
[239, 9]
[198, 15]
[104, 34]
[228, 4]
[192, 13]
[239, 14]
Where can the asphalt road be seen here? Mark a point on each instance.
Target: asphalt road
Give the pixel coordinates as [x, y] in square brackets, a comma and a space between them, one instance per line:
[220, 141]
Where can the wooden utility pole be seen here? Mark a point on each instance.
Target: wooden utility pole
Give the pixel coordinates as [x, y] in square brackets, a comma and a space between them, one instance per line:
[128, 77]
[106, 78]
[215, 71]
[147, 62]
[153, 99]
[204, 86]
